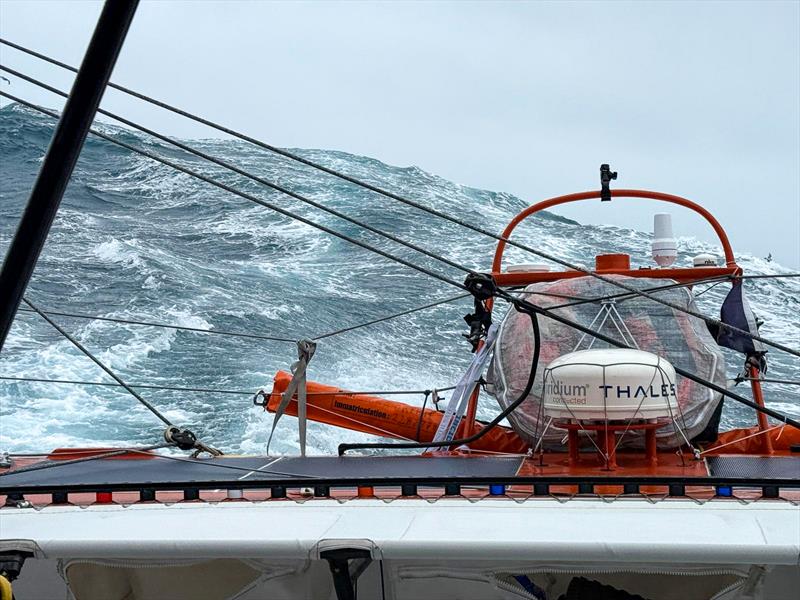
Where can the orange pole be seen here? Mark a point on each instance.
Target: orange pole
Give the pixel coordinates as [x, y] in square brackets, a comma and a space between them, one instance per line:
[753, 372]
[472, 411]
[378, 416]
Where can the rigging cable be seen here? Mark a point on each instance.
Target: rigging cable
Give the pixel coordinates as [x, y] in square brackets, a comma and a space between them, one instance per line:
[215, 390]
[432, 211]
[181, 437]
[503, 294]
[250, 197]
[243, 173]
[134, 386]
[256, 336]
[367, 323]
[99, 363]
[394, 316]
[623, 295]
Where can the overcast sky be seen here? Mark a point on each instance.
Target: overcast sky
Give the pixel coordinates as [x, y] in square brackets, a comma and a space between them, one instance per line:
[697, 99]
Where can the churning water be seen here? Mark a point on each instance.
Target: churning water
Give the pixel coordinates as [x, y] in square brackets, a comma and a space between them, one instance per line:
[136, 240]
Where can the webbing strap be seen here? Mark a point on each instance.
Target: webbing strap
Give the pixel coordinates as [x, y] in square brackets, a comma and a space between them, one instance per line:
[457, 405]
[305, 351]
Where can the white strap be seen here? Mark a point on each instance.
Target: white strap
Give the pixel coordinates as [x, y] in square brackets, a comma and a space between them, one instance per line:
[457, 405]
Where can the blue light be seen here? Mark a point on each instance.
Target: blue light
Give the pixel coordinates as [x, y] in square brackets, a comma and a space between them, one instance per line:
[725, 491]
[497, 490]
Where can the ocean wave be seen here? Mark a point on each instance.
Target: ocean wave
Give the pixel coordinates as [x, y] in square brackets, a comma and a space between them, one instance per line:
[137, 240]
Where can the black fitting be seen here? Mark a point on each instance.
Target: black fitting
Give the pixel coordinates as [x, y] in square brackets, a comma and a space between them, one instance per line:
[606, 175]
[482, 287]
[261, 394]
[182, 438]
[11, 563]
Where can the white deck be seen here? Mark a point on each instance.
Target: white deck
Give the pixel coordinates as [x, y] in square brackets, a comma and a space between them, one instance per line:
[716, 532]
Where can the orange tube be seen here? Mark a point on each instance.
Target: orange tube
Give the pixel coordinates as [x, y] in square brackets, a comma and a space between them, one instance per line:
[545, 204]
[378, 416]
[763, 425]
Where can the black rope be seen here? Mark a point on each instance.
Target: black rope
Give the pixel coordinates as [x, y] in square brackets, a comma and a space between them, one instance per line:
[773, 276]
[394, 316]
[381, 392]
[243, 173]
[135, 386]
[264, 203]
[432, 211]
[249, 335]
[212, 390]
[422, 414]
[59, 463]
[164, 325]
[146, 451]
[501, 293]
[626, 295]
[97, 361]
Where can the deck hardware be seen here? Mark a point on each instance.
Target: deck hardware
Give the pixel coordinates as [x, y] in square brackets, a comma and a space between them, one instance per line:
[724, 491]
[17, 500]
[190, 494]
[630, 488]
[770, 491]
[235, 494]
[11, 563]
[586, 488]
[59, 498]
[344, 572]
[277, 491]
[606, 175]
[452, 489]
[147, 495]
[677, 489]
[541, 489]
[322, 491]
[366, 491]
[497, 490]
[408, 490]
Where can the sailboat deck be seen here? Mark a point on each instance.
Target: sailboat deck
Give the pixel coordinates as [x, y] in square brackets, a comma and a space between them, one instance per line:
[156, 478]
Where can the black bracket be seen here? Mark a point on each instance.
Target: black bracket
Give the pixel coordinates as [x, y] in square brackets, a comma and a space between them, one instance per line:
[182, 438]
[606, 175]
[482, 287]
[346, 573]
[264, 396]
[11, 563]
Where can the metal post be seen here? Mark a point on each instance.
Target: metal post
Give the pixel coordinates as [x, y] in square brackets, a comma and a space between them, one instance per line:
[61, 156]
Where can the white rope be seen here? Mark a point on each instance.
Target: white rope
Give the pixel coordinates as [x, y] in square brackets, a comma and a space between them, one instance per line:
[747, 437]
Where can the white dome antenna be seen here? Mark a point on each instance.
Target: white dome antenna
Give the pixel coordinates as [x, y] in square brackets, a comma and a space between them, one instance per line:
[665, 248]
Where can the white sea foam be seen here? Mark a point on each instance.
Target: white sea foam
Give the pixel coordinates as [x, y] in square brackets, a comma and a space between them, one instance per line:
[136, 240]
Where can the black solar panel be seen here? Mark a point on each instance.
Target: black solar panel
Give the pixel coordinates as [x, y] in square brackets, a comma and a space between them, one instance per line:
[766, 467]
[165, 470]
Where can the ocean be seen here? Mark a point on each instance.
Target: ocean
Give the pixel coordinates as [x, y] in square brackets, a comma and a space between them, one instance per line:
[136, 240]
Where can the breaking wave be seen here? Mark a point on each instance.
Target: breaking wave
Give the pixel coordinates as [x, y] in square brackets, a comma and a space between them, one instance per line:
[136, 240]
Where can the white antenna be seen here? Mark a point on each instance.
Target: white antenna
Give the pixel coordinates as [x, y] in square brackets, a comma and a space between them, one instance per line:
[665, 249]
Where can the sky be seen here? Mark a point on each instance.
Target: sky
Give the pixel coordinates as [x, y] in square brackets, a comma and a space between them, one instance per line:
[699, 99]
